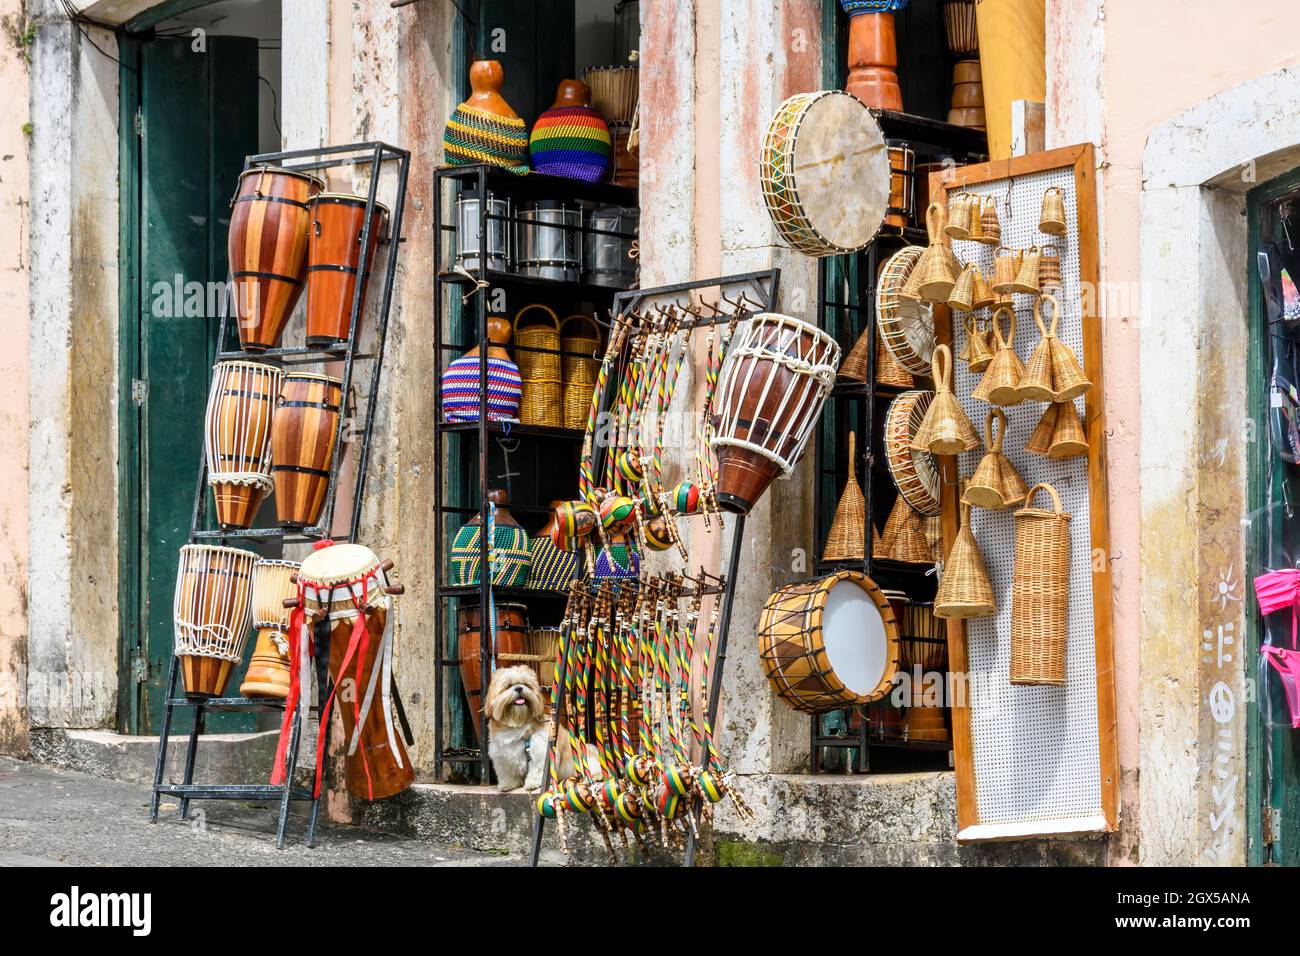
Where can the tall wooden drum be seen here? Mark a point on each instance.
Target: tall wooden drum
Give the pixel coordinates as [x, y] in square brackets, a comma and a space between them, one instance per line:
[829, 643]
[269, 222]
[512, 638]
[774, 380]
[303, 436]
[268, 668]
[334, 262]
[211, 615]
[237, 438]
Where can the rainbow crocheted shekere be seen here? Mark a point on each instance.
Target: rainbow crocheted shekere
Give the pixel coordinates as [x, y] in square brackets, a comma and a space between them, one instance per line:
[477, 136]
[571, 141]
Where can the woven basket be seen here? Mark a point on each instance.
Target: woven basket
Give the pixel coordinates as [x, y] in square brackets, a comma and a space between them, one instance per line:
[1040, 440]
[1001, 382]
[540, 371]
[904, 536]
[962, 297]
[964, 587]
[996, 484]
[1036, 385]
[1049, 268]
[978, 351]
[990, 227]
[1027, 276]
[510, 553]
[934, 537]
[938, 267]
[1068, 439]
[889, 371]
[945, 430]
[854, 366]
[983, 297]
[1052, 220]
[578, 367]
[1006, 266]
[959, 216]
[1040, 592]
[847, 536]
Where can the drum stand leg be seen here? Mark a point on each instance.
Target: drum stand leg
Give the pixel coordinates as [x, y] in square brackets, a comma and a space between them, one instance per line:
[323, 689]
[161, 765]
[200, 718]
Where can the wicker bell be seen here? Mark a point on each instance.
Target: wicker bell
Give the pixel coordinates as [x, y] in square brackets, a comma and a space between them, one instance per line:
[996, 484]
[847, 536]
[938, 268]
[1052, 220]
[1001, 382]
[904, 536]
[1068, 438]
[945, 430]
[934, 537]
[854, 366]
[890, 371]
[959, 216]
[1040, 593]
[1049, 268]
[990, 227]
[537, 353]
[964, 587]
[1067, 374]
[1006, 267]
[1040, 440]
[1036, 385]
[962, 297]
[983, 297]
[1027, 277]
[976, 233]
[979, 353]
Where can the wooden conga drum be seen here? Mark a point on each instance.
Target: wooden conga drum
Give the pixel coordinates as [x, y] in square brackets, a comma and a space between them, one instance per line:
[269, 223]
[333, 264]
[512, 638]
[303, 435]
[923, 645]
[774, 380]
[211, 614]
[268, 668]
[333, 580]
[237, 438]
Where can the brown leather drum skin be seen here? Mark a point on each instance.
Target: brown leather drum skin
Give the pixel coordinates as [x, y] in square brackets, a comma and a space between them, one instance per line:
[303, 435]
[512, 638]
[333, 261]
[269, 223]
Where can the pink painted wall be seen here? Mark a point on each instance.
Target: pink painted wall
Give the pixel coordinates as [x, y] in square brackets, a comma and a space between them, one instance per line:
[13, 372]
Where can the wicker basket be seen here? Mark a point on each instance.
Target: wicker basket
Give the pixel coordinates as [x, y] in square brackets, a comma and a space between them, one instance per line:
[1068, 438]
[1040, 592]
[854, 366]
[996, 484]
[904, 536]
[1027, 276]
[1049, 268]
[848, 529]
[579, 367]
[1006, 266]
[990, 226]
[1001, 382]
[1052, 220]
[538, 327]
[983, 297]
[945, 430]
[962, 297]
[890, 371]
[959, 216]
[938, 268]
[964, 587]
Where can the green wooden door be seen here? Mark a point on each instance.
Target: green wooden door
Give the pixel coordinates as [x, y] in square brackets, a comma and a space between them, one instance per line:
[197, 122]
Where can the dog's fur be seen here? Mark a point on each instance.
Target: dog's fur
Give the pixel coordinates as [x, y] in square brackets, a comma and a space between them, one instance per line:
[518, 728]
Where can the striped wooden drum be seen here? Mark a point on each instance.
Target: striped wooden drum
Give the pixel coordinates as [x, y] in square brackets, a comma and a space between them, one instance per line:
[268, 668]
[237, 438]
[269, 223]
[303, 435]
[333, 259]
[214, 587]
[829, 643]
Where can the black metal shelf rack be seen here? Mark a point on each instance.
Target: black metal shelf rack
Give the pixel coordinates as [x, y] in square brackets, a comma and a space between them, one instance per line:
[366, 155]
[846, 294]
[463, 300]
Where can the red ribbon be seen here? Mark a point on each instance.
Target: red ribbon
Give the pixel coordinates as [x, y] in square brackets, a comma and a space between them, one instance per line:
[295, 690]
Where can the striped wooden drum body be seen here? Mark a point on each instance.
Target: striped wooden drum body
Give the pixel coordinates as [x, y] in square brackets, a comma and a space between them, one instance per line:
[333, 261]
[303, 436]
[237, 438]
[269, 223]
[268, 668]
[511, 638]
[829, 643]
[211, 615]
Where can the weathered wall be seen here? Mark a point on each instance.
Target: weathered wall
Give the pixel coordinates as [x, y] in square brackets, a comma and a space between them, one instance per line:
[14, 409]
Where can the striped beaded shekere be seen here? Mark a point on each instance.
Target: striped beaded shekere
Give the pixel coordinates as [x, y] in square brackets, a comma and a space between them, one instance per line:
[476, 136]
[571, 141]
[460, 390]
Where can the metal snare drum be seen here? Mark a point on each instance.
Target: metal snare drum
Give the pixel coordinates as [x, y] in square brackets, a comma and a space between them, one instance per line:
[497, 228]
[607, 259]
[550, 241]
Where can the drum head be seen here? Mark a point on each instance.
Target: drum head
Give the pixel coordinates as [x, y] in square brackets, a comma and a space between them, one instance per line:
[339, 562]
[841, 171]
[858, 643]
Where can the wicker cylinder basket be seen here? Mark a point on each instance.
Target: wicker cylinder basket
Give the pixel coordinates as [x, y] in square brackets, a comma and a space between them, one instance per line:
[1040, 592]
[537, 327]
[580, 342]
[965, 590]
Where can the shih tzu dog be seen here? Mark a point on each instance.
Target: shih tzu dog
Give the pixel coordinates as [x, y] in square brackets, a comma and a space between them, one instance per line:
[518, 728]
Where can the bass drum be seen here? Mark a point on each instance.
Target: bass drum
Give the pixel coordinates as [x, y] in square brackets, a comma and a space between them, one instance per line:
[829, 643]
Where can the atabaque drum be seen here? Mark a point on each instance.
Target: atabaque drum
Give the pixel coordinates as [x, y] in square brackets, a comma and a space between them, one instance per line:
[210, 613]
[774, 380]
[303, 437]
[348, 582]
[334, 265]
[268, 668]
[237, 438]
[511, 638]
[829, 643]
[269, 224]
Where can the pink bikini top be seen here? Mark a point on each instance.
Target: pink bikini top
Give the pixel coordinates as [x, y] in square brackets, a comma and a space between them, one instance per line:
[1276, 590]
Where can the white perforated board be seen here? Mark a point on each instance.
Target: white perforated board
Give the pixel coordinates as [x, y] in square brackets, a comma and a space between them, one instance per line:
[1035, 753]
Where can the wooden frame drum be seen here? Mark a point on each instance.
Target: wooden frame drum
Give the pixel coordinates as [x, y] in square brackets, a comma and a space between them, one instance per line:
[829, 643]
[237, 438]
[906, 326]
[914, 472]
[210, 614]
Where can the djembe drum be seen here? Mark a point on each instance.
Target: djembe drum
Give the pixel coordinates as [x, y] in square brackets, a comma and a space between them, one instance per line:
[268, 668]
[210, 615]
[348, 583]
[237, 438]
[511, 638]
[923, 647]
[334, 262]
[776, 376]
[269, 225]
[303, 434]
[829, 643]
[825, 173]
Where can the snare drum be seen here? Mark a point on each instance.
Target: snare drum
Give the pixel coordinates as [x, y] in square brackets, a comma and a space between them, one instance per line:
[497, 228]
[237, 438]
[608, 258]
[210, 613]
[550, 241]
[829, 643]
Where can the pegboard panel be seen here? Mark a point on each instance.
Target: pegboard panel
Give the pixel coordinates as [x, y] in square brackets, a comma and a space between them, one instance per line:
[1034, 756]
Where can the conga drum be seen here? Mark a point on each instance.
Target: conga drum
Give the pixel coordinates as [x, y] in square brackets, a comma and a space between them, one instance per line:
[774, 380]
[269, 221]
[210, 615]
[333, 264]
[923, 654]
[303, 434]
[237, 438]
[829, 643]
[348, 582]
[512, 638]
[268, 668]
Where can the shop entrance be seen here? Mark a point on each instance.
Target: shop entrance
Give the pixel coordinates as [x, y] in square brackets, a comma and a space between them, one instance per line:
[199, 93]
[1273, 787]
